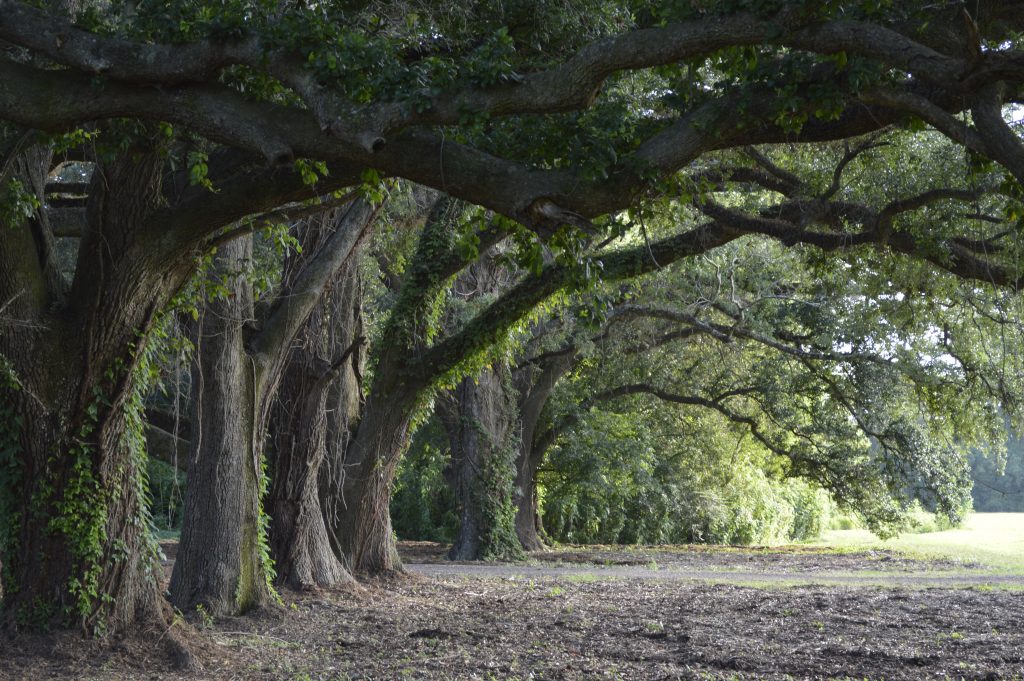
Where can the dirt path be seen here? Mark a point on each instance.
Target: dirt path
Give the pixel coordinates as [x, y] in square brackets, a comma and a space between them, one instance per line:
[788, 566]
[513, 571]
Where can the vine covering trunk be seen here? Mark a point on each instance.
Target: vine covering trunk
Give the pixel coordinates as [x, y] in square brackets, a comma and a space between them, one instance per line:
[479, 416]
[74, 535]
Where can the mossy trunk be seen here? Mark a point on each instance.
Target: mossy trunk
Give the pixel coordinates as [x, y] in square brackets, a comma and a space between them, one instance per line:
[220, 567]
[74, 535]
[479, 415]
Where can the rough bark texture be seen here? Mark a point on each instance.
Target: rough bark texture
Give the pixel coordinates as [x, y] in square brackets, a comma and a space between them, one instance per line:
[319, 398]
[360, 475]
[529, 527]
[75, 548]
[219, 567]
[237, 379]
[535, 384]
[363, 528]
[479, 416]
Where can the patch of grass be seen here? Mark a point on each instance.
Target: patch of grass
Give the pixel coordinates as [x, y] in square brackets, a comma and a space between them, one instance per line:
[994, 539]
[583, 578]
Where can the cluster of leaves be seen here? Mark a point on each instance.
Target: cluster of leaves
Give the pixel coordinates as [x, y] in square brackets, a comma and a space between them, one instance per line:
[646, 477]
[805, 10]
[374, 51]
[17, 203]
[873, 389]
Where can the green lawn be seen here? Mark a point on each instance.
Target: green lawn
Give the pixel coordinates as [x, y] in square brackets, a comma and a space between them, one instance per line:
[995, 539]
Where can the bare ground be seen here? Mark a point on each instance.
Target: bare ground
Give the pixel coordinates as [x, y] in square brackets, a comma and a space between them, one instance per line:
[577, 621]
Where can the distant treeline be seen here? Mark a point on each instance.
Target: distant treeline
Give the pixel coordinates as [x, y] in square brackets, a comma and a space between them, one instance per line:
[995, 492]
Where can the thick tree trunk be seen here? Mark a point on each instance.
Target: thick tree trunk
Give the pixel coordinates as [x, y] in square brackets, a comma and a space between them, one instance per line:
[324, 368]
[362, 528]
[219, 567]
[479, 415]
[535, 385]
[73, 535]
[75, 550]
[359, 483]
[237, 378]
[299, 543]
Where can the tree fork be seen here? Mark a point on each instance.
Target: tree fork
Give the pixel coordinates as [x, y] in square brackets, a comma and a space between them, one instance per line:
[319, 399]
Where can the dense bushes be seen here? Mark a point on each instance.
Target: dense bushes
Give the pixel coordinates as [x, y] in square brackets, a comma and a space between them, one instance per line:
[752, 509]
[422, 503]
[616, 480]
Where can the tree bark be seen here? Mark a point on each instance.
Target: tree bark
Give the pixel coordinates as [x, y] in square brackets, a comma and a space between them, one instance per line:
[479, 416]
[219, 566]
[362, 529]
[535, 383]
[358, 479]
[319, 398]
[238, 377]
[75, 543]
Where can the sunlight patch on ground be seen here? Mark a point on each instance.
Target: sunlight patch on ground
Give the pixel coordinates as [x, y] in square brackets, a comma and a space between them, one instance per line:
[995, 539]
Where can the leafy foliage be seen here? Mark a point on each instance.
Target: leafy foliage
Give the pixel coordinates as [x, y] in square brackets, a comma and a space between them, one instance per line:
[998, 481]
[627, 478]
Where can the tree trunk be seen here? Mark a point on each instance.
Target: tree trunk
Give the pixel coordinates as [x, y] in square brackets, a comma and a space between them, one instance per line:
[535, 384]
[359, 487]
[301, 424]
[75, 550]
[479, 416]
[529, 527]
[73, 531]
[237, 378]
[220, 567]
[362, 528]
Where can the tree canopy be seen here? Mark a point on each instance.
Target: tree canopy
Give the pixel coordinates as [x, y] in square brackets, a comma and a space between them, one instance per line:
[825, 198]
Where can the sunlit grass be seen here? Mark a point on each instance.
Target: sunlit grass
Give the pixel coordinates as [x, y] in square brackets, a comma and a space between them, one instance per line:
[994, 539]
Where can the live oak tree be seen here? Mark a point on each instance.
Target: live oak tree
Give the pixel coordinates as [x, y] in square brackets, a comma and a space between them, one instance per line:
[480, 416]
[313, 418]
[757, 340]
[879, 414]
[554, 120]
[550, 356]
[221, 564]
